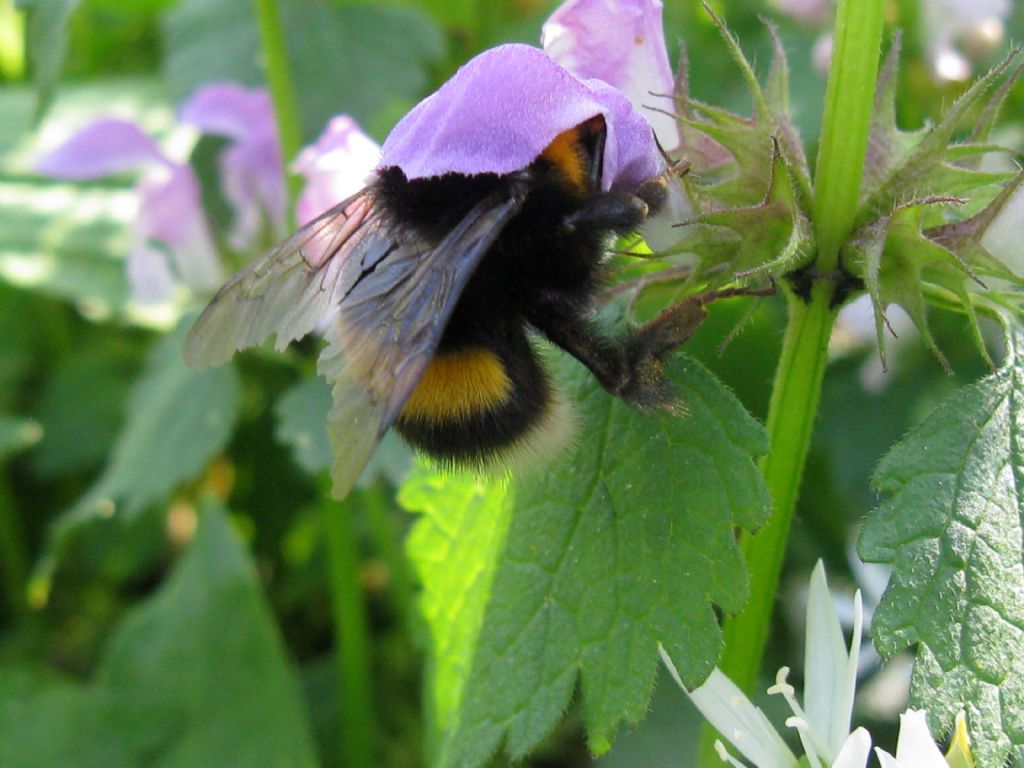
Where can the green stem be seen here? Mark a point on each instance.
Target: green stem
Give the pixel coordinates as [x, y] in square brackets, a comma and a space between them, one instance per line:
[797, 388]
[14, 560]
[791, 414]
[377, 500]
[791, 417]
[849, 100]
[351, 637]
[282, 93]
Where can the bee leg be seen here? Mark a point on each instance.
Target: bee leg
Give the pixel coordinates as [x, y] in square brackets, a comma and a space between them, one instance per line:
[609, 211]
[647, 347]
[586, 343]
[632, 367]
[654, 192]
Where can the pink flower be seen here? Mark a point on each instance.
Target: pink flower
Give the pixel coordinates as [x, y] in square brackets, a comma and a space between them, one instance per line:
[252, 175]
[475, 123]
[171, 239]
[336, 166]
[621, 42]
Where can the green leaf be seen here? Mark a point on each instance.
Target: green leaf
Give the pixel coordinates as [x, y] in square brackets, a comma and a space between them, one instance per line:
[750, 141]
[47, 44]
[906, 250]
[21, 343]
[301, 423]
[952, 529]
[455, 547]
[990, 240]
[47, 720]
[368, 61]
[197, 675]
[207, 40]
[897, 262]
[749, 182]
[462, 16]
[580, 568]
[66, 241]
[177, 420]
[81, 408]
[772, 236]
[888, 144]
[901, 166]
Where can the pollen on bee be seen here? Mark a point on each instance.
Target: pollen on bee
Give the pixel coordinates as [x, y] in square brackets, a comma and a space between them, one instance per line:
[565, 154]
[458, 385]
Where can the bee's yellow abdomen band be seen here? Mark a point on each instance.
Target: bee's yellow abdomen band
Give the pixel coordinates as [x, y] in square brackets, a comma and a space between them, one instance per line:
[459, 385]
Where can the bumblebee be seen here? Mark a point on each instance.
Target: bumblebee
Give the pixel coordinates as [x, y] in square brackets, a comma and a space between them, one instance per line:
[432, 287]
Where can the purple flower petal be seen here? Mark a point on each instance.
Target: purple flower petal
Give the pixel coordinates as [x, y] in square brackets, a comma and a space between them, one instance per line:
[171, 215]
[251, 170]
[149, 275]
[499, 112]
[253, 182]
[102, 148]
[621, 42]
[171, 238]
[228, 109]
[335, 166]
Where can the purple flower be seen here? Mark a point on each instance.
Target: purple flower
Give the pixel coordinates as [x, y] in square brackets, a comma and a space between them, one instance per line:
[171, 240]
[621, 42]
[252, 175]
[336, 166]
[499, 112]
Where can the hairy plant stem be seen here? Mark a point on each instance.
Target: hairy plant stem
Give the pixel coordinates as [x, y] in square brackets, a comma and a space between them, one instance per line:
[797, 388]
[282, 94]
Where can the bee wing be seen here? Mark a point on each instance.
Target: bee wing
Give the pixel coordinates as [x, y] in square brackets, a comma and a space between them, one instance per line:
[391, 294]
[388, 327]
[291, 288]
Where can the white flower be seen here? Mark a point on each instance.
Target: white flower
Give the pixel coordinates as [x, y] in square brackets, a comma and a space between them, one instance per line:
[823, 721]
[740, 721]
[915, 748]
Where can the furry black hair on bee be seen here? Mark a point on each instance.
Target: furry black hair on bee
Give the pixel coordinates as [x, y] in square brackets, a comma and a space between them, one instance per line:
[433, 285]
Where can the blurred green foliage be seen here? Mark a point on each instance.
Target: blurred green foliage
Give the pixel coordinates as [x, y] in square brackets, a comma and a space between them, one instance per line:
[197, 630]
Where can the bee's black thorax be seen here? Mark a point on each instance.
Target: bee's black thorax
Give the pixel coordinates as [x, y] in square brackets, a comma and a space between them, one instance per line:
[535, 253]
[435, 205]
